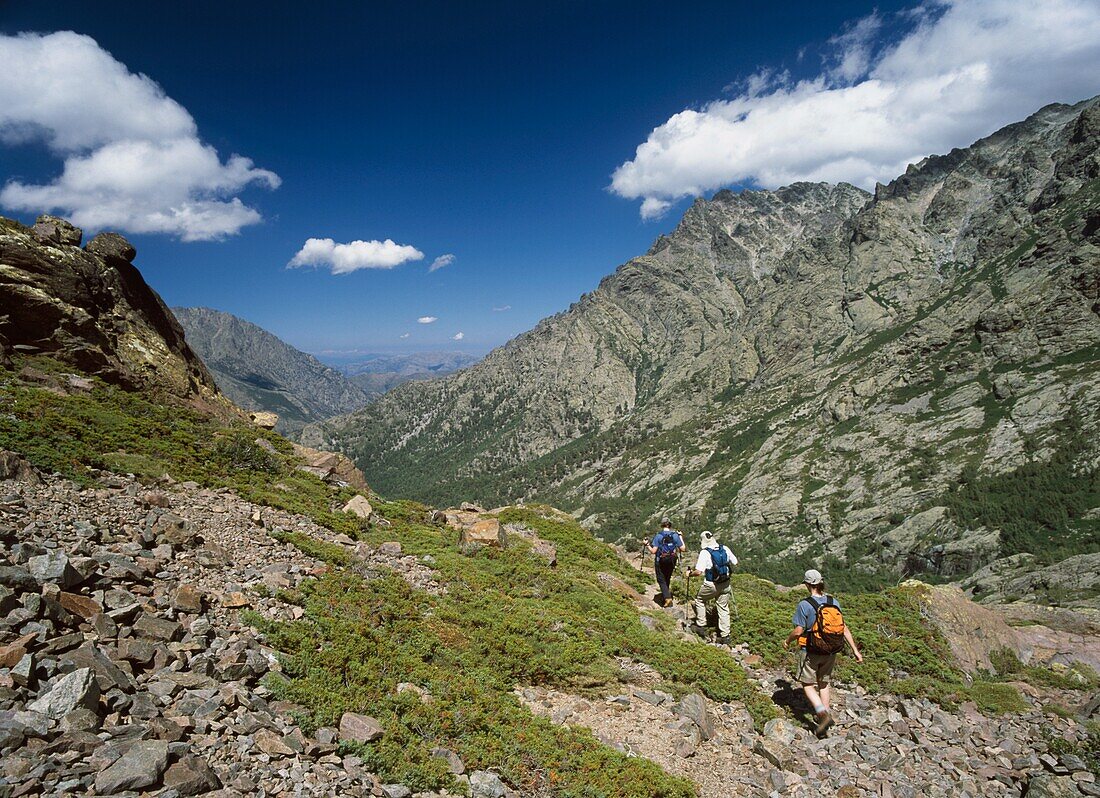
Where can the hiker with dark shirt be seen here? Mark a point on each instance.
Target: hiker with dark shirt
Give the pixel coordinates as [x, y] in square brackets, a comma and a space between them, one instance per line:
[821, 633]
[666, 546]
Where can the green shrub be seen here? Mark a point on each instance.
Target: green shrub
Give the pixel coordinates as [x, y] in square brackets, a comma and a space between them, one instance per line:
[237, 451]
[1039, 507]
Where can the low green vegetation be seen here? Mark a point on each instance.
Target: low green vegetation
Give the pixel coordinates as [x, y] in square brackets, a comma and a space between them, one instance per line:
[108, 428]
[1087, 750]
[1077, 676]
[1040, 507]
[507, 619]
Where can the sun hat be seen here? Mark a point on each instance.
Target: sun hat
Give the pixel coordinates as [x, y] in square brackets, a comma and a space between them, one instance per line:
[814, 577]
[706, 537]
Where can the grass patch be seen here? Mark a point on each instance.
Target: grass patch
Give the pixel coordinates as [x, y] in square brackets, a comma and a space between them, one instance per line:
[113, 429]
[506, 619]
[1077, 676]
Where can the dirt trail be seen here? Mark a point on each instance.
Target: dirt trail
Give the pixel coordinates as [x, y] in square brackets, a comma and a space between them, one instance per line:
[882, 745]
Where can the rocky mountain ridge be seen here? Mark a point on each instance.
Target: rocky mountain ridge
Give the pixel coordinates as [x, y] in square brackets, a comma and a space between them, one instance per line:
[92, 308]
[819, 371]
[258, 371]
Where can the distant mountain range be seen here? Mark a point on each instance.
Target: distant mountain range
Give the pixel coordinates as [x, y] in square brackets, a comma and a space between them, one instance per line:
[377, 373]
[907, 380]
[259, 371]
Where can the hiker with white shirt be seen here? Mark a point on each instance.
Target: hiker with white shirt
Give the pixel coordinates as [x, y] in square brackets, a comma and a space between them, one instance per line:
[715, 563]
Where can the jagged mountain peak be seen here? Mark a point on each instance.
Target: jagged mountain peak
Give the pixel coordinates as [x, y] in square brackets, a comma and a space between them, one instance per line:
[782, 363]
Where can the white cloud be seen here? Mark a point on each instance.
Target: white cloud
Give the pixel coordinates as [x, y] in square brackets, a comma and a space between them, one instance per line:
[427, 319]
[501, 308]
[962, 69]
[441, 261]
[404, 335]
[458, 336]
[353, 256]
[133, 159]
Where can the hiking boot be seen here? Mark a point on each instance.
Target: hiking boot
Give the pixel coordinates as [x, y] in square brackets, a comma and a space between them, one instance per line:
[824, 722]
[701, 631]
[668, 602]
[723, 640]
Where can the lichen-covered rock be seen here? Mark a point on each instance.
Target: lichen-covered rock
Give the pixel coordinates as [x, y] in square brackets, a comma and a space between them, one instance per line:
[358, 728]
[359, 506]
[72, 691]
[93, 309]
[139, 767]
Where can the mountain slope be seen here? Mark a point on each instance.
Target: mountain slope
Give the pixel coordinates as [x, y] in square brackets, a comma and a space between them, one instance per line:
[821, 372]
[259, 371]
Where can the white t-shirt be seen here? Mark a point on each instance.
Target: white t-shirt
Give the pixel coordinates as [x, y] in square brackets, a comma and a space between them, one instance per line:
[704, 562]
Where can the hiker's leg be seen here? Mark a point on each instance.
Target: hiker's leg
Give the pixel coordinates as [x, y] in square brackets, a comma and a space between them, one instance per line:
[807, 677]
[706, 591]
[825, 678]
[662, 578]
[722, 602]
[813, 697]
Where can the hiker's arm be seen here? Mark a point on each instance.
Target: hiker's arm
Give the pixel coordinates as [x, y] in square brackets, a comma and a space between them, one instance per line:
[794, 635]
[852, 642]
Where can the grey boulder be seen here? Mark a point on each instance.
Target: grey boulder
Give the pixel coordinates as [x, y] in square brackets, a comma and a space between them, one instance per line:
[72, 691]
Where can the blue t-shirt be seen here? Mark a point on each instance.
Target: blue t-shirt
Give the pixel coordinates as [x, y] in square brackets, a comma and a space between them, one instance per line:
[656, 542]
[805, 616]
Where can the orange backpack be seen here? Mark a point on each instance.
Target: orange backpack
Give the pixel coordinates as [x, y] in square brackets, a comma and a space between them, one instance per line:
[826, 636]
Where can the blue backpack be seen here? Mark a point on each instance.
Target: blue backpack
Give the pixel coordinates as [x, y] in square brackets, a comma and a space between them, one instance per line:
[666, 546]
[719, 570]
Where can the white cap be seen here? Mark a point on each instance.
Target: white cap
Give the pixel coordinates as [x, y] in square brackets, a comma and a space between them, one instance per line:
[706, 538]
[814, 577]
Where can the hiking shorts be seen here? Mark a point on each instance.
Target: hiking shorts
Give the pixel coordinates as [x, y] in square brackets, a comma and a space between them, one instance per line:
[815, 669]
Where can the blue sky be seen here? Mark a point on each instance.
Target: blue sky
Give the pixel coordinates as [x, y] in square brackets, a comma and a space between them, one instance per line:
[488, 131]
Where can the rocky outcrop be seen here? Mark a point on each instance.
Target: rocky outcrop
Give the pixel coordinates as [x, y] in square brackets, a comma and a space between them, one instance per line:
[332, 467]
[813, 369]
[92, 309]
[258, 371]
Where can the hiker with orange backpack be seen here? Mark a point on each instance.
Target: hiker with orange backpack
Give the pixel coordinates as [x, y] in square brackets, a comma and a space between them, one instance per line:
[666, 547]
[821, 633]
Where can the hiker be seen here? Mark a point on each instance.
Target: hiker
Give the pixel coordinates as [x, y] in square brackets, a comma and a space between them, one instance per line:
[714, 564]
[666, 546]
[821, 633]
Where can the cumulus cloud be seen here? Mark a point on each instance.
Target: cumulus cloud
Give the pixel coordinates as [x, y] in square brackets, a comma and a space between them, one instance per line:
[427, 319]
[353, 256]
[458, 336]
[404, 335]
[441, 261]
[959, 70]
[133, 159]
